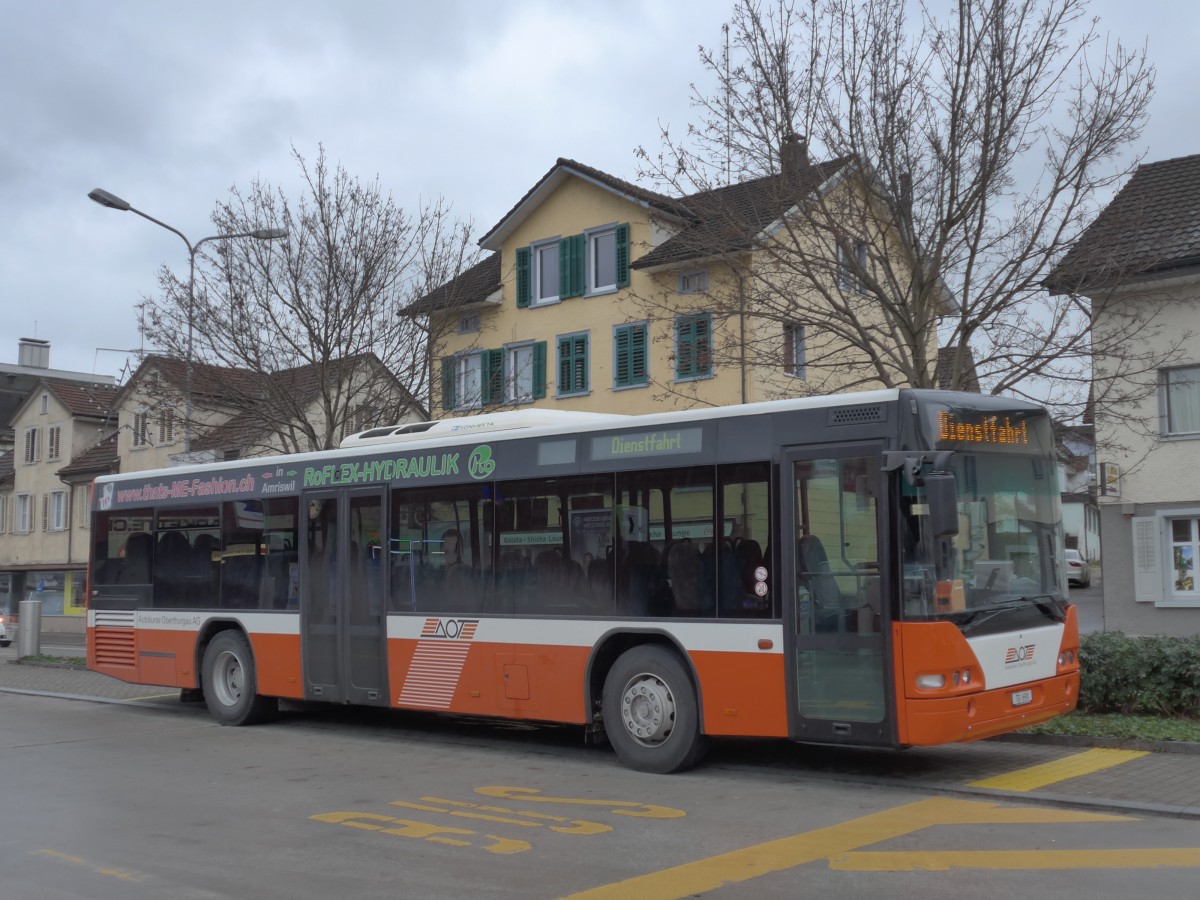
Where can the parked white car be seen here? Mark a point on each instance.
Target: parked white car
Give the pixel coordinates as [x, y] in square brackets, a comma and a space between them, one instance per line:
[5, 640]
[1078, 570]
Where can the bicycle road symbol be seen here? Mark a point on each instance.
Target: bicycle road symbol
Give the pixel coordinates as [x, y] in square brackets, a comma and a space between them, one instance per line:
[481, 464]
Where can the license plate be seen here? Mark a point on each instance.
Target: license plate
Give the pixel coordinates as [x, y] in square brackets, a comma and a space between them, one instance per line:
[1020, 698]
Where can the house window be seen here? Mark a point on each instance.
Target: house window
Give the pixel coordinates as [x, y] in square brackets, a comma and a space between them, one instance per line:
[468, 381]
[693, 346]
[45, 404]
[1185, 550]
[166, 427]
[602, 260]
[518, 373]
[24, 516]
[572, 364]
[140, 436]
[849, 269]
[55, 514]
[356, 420]
[31, 446]
[545, 273]
[3, 514]
[469, 324]
[82, 514]
[629, 355]
[795, 350]
[693, 282]
[596, 261]
[1182, 391]
[53, 442]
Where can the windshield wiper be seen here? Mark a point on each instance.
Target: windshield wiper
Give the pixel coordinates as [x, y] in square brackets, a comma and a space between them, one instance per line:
[977, 618]
[1054, 609]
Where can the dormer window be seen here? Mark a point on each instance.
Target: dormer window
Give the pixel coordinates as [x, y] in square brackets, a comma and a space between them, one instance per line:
[595, 262]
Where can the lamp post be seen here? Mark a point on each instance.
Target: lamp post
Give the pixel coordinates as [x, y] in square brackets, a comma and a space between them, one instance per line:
[112, 201]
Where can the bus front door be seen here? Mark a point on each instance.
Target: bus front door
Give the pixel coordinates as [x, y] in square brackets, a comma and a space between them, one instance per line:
[839, 660]
[342, 598]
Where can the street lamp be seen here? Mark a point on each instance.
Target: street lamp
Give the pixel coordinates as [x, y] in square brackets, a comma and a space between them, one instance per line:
[112, 201]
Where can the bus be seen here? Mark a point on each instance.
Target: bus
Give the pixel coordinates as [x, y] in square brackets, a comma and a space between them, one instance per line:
[878, 569]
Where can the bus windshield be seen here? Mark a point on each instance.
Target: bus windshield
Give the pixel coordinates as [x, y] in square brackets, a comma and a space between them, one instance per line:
[1007, 552]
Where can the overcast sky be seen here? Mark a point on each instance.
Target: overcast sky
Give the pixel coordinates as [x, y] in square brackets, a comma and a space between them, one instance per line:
[168, 105]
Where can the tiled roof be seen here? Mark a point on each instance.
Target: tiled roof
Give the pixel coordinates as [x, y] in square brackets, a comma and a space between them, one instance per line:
[207, 380]
[99, 459]
[717, 221]
[730, 219]
[566, 166]
[473, 285]
[1151, 227]
[92, 401]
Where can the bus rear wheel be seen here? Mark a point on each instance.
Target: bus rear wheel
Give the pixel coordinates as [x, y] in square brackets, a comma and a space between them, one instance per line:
[650, 711]
[231, 684]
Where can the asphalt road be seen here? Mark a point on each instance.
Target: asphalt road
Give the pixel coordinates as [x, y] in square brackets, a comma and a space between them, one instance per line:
[153, 800]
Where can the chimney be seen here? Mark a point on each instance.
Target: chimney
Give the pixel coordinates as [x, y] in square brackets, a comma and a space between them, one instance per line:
[33, 353]
[793, 155]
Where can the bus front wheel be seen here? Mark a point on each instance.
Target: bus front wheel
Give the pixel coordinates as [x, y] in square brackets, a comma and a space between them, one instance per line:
[650, 711]
[230, 682]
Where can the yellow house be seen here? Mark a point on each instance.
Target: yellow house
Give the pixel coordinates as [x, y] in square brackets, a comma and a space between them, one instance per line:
[603, 296]
[43, 518]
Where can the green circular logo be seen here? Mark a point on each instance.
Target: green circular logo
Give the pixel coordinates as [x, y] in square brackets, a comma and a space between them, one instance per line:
[481, 464]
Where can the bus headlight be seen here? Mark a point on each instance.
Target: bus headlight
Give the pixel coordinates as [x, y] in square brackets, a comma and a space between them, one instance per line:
[931, 682]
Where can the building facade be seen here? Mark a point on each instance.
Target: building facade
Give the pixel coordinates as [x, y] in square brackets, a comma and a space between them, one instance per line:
[602, 296]
[1139, 262]
[43, 520]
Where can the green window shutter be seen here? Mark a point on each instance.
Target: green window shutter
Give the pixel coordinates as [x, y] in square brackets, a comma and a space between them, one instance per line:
[621, 356]
[637, 354]
[572, 281]
[693, 346]
[573, 364]
[564, 365]
[630, 351]
[539, 370]
[524, 289]
[704, 345]
[622, 256]
[448, 383]
[685, 347]
[491, 376]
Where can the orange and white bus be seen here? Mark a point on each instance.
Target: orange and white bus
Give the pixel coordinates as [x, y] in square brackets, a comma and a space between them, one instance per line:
[881, 569]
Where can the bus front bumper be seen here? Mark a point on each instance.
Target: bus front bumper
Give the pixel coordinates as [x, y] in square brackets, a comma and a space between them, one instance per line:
[972, 717]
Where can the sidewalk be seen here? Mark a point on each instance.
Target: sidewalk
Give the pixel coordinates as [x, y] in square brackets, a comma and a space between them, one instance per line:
[1128, 780]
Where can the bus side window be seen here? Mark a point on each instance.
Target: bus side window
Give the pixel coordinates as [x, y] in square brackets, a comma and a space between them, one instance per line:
[138, 562]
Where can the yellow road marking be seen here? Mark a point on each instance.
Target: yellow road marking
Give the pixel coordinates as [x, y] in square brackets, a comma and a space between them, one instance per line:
[1072, 766]
[1016, 860]
[837, 840]
[618, 807]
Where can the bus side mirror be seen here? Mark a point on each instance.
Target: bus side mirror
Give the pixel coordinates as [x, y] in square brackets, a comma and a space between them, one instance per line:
[941, 493]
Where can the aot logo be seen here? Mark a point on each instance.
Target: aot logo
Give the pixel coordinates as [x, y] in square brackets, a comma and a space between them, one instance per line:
[450, 629]
[1017, 656]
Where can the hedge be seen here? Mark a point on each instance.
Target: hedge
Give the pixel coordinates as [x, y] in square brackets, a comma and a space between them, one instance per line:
[1151, 675]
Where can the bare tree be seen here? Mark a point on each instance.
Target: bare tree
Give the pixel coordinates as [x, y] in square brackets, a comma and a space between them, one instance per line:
[307, 328]
[962, 157]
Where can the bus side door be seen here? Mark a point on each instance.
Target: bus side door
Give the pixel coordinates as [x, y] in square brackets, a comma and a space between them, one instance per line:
[835, 613]
[342, 597]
